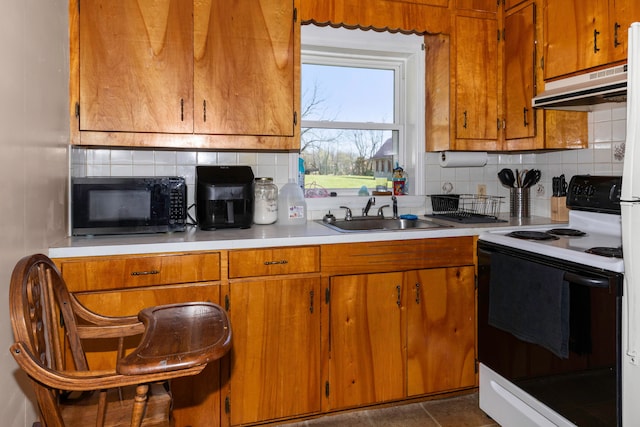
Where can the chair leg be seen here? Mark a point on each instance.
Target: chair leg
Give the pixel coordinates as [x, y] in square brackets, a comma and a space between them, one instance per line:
[139, 405]
[102, 408]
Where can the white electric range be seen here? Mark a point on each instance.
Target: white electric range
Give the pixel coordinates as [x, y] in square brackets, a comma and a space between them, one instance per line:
[549, 312]
[586, 232]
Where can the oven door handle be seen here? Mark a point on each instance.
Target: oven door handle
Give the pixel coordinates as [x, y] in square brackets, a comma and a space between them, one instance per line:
[595, 282]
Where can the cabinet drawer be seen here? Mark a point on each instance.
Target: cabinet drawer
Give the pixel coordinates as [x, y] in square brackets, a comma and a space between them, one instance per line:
[86, 274]
[397, 255]
[272, 261]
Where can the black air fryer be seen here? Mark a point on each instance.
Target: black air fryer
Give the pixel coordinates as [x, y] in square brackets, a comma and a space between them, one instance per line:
[224, 197]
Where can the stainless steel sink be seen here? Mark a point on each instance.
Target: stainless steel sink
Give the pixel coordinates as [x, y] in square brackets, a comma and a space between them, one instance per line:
[360, 224]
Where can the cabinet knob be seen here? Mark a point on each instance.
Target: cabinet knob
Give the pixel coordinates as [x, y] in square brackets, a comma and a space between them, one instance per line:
[596, 33]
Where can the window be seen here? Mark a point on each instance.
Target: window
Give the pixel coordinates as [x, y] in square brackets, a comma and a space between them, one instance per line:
[362, 92]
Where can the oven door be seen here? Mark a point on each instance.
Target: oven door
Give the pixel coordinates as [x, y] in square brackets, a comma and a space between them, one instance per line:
[577, 376]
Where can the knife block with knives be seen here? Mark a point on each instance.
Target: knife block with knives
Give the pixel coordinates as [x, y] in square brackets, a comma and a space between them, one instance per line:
[559, 211]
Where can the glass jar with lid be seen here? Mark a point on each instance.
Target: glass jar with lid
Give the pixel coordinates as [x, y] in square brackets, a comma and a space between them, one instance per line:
[265, 201]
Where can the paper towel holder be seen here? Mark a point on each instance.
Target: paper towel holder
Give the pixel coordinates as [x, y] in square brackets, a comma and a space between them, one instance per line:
[456, 159]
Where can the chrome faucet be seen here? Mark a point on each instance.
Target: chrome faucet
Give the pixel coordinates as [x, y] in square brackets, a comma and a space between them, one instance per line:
[380, 210]
[370, 202]
[348, 215]
[394, 199]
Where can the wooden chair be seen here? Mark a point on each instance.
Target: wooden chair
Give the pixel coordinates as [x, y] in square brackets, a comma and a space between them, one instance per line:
[178, 340]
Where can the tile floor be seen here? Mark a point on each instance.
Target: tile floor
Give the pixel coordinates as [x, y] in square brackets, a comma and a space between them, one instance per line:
[460, 411]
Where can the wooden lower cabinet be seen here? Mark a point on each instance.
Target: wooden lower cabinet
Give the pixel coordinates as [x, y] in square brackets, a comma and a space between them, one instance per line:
[366, 339]
[275, 358]
[401, 334]
[315, 328]
[441, 329]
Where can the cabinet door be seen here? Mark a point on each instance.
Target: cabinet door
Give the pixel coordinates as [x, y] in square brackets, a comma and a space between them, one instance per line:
[136, 66]
[476, 94]
[196, 400]
[576, 34]
[622, 13]
[519, 52]
[244, 67]
[275, 368]
[440, 329]
[367, 358]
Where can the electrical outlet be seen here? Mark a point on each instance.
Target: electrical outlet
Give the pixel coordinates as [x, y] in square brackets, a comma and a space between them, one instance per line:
[482, 190]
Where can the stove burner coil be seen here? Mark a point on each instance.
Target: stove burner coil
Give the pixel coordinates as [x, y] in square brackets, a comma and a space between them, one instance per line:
[532, 235]
[569, 232]
[606, 251]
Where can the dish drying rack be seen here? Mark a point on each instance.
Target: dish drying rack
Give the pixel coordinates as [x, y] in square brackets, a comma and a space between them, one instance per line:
[466, 205]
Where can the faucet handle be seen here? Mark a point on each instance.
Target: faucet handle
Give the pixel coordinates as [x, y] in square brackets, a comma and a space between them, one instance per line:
[380, 212]
[348, 215]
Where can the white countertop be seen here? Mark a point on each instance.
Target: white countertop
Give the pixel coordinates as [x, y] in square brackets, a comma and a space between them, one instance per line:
[261, 236]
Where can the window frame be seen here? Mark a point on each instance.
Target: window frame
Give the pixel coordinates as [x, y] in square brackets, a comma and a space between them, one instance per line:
[383, 50]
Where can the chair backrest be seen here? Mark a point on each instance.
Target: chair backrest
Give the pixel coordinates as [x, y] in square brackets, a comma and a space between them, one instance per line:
[40, 305]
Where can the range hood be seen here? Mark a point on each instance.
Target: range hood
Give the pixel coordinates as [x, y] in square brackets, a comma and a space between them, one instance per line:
[586, 91]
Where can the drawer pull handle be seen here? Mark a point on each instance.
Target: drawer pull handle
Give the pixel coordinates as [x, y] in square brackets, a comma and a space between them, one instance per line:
[145, 273]
[284, 261]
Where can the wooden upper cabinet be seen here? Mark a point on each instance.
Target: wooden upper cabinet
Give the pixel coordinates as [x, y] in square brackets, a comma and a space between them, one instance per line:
[621, 14]
[214, 71]
[244, 67]
[579, 34]
[525, 127]
[136, 66]
[519, 52]
[476, 82]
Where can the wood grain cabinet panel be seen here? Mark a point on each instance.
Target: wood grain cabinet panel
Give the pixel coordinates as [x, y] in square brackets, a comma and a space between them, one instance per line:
[520, 52]
[119, 272]
[395, 255]
[273, 261]
[621, 14]
[580, 35]
[136, 66]
[367, 355]
[527, 128]
[184, 73]
[401, 334]
[244, 67]
[441, 328]
[401, 319]
[476, 83]
[275, 370]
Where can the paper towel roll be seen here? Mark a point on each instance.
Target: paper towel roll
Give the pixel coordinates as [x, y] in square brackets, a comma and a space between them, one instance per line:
[458, 159]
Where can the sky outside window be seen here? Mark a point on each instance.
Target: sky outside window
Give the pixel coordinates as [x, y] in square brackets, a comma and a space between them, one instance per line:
[349, 94]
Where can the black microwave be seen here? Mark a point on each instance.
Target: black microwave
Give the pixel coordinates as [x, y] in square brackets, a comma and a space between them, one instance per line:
[123, 205]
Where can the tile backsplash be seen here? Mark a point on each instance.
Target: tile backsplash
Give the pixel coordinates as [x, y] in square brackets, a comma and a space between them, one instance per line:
[604, 156]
